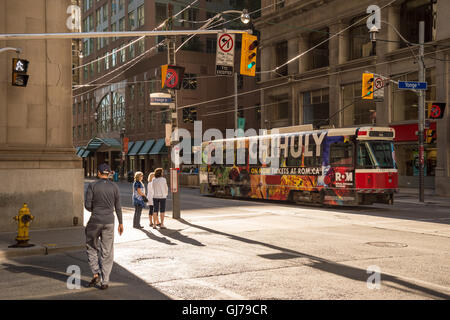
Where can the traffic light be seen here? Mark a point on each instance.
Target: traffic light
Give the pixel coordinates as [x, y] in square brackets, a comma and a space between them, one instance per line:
[19, 72]
[367, 86]
[248, 54]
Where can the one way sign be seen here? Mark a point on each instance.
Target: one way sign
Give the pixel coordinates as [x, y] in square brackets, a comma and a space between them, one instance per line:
[225, 54]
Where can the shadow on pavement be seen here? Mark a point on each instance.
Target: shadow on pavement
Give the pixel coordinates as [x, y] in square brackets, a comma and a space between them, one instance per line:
[156, 238]
[124, 285]
[176, 235]
[327, 265]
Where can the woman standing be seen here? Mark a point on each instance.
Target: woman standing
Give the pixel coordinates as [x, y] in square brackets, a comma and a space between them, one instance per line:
[160, 191]
[152, 216]
[138, 199]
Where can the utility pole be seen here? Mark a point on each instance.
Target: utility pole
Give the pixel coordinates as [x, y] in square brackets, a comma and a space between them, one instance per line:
[421, 116]
[174, 119]
[235, 101]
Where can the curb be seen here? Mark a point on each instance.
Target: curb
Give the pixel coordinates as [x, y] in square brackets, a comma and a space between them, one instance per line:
[37, 250]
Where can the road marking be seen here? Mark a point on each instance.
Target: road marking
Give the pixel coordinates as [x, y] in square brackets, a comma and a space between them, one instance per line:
[222, 290]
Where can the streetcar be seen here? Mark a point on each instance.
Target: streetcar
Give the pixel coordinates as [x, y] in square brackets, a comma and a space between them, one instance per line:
[344, 166]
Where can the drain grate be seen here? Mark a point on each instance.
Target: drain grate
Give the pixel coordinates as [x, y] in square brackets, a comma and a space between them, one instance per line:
[387, 244]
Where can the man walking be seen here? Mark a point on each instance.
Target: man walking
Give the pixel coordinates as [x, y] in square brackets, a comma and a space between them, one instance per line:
[102, 198]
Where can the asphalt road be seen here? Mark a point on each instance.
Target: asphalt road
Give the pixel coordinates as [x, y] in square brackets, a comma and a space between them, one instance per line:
[236, 249]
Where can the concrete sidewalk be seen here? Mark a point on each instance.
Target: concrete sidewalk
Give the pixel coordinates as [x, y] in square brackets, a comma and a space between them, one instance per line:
[46, 241]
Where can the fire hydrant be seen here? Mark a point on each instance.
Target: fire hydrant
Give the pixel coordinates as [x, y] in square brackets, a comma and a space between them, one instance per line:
[24, 217]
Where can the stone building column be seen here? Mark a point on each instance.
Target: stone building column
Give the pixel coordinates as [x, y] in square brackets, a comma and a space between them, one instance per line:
[303, 45]
[267, 61]
[292, 52]
[442, 178]
[38, 165]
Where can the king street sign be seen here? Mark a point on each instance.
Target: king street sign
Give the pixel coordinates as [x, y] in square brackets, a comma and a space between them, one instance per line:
[160, 99]
[225, 54]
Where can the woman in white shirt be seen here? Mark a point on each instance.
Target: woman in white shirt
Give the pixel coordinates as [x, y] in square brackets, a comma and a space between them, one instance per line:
[152, 216]
[160, 192]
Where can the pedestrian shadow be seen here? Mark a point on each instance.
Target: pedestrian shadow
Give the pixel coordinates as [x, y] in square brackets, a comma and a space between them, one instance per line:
[159, 239]
[325, 265]
[176, 235]
[124, 285]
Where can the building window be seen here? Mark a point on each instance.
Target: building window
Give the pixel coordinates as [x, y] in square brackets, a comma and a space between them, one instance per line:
[99, 66]
[190, 15]
[132, 20]
[281, 57]
[114, 57]
[405, 102]
[86, 72]
[151, 118]
[85, 131]
[73, 133]
[98, 16]
[107, 60]
[114, 29]
[132, 123]
[106, 40]
[113, 7]
[190, 81]
[105, 12]
[141, 46]
[141, 87]
[211, 45]
[162, 47]
[360, 44]
[122, 24]
[121, 3]
[87, 5]
[122, 55]
[320, 54]
[413, 11]
[74, 109]
[118, 111]
[92, 70]
[357, 111]
[131, 89]
[141, 120]
[316, 107]
[131, 51]
[92, 105]
[79, 131]
[194, 44]
[160, 12]
[79, 108]
[141, 16]
[92, 129]
[280, 108]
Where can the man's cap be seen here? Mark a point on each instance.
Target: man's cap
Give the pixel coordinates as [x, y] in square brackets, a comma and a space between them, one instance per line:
[104, 168]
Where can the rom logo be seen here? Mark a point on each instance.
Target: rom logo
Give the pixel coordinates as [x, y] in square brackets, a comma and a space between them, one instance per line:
[348, 177]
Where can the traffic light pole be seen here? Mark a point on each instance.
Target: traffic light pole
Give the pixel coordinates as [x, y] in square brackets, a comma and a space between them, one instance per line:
[235, 101]
[174, 119]
[421, 110]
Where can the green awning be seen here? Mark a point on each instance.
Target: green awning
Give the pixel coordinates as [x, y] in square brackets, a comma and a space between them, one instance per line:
[80, 151]
[86, 153]
[136, 147]
[130, 145]
[146, 148]
[96, 143]
[159, 147]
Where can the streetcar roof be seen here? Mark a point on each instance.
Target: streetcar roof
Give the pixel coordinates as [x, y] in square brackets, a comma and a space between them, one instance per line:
[330, 132]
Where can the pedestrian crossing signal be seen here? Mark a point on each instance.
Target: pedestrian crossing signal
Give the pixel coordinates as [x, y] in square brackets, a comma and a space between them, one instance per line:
[248, 54]
[367, 86]
[19, 72]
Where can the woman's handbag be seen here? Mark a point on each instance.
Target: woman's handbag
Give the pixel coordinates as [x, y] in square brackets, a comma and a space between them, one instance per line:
[144, 198]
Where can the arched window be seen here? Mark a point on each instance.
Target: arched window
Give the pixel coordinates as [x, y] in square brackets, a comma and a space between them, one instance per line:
[111, 113]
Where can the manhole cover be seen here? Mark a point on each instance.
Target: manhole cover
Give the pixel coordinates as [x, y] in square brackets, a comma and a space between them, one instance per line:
[387, 244]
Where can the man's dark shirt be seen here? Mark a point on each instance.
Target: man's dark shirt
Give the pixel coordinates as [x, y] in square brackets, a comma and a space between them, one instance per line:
[102, 197]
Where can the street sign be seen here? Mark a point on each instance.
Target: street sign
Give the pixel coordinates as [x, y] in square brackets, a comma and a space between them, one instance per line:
[172, 77]
[436, 110]
[378, 93]
[412, 85]
[160, 99]
[174, 180]
[125, 145]
[225, 54]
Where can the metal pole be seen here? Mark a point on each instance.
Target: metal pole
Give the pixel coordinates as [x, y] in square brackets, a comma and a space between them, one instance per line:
[235, 101]
[171, 60]
[17, 50]
[421, 116]
[82, 35]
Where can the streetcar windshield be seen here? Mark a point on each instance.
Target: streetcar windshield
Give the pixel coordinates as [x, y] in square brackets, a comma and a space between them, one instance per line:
[376, 154]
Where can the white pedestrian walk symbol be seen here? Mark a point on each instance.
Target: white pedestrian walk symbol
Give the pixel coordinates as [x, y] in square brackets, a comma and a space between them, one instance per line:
[20, 66]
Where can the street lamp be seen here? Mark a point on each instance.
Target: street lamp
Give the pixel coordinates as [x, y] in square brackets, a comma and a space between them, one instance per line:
[122, 153]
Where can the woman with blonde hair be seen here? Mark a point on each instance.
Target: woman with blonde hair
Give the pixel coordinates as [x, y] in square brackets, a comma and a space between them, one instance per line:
[160, 192]
[152, 216]
[138, 199]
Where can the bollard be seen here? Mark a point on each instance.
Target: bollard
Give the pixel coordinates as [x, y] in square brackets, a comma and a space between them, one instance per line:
[23, 218]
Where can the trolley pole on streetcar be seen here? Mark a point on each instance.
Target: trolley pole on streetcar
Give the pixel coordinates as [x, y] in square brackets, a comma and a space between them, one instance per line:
[421, 111]
[174, 121]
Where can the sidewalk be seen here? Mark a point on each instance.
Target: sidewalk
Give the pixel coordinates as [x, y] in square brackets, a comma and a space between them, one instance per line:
[46, 241]
[411, 195]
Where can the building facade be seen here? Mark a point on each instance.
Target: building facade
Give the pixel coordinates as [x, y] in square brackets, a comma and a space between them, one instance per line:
[323, 86]
[112, 104]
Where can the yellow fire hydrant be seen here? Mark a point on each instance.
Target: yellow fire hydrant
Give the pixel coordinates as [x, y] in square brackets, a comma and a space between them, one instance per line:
[23, 218]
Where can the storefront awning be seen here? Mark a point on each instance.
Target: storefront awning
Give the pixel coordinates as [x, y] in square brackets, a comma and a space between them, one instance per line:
[107, 143]
[159, 147]
[80, 151]
[136, 147]
[130, 146]
[86, 153]
[146, 148]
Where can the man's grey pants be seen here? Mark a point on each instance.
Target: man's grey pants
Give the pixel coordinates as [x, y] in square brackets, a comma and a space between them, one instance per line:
[100, 250]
